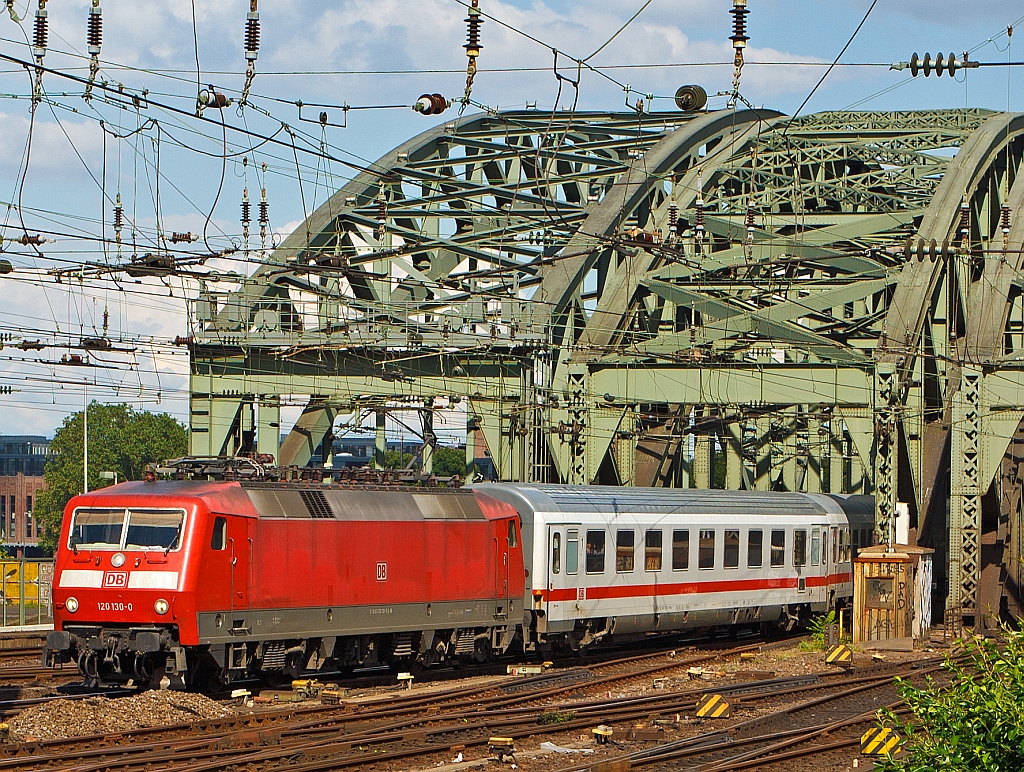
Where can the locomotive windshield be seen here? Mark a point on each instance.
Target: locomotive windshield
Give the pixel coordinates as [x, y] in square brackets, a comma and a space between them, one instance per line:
[97, 528]
[127, 529]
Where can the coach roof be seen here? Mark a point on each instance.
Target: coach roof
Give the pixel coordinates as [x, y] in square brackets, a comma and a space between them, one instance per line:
[583, 499]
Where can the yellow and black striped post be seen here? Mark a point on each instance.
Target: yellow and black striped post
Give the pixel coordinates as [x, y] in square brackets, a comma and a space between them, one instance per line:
[714, 706]
[879, 741]
[840, 654]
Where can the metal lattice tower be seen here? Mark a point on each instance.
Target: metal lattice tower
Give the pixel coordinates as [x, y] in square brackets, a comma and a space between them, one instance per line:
[823, 320]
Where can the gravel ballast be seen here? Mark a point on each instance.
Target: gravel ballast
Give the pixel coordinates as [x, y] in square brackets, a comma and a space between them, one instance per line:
[102, 715]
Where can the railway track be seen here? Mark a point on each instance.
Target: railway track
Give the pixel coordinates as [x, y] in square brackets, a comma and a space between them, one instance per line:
[405, 726]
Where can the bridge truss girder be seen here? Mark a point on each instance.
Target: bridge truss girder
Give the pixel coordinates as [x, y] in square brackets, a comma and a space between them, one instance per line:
[527, 263]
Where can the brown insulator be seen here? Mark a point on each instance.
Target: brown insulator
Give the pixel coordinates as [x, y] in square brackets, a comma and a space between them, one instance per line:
[673, 217]
[750, 219]
[118, 217]
[739, 36]
[1004, 219]
[246, 208]
[965, 220]
[430, 104]
[691, 98]
[252, 36]
[264, 217]
[41, 32]
[94, 29]
[182, 238]
[473, 22]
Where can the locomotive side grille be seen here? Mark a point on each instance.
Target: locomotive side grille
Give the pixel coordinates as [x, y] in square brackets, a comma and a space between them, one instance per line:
[403, 645]
[273, 655]
[317, 505]
[466, 642]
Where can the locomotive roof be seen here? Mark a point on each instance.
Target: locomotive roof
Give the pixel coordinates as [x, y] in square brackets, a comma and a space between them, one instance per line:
[586, 499]
[304, 500]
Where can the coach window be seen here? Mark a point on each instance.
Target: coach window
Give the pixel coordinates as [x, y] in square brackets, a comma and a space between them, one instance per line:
[220, 534]
[572, 551]
[800, 548]
[624, 552]
[706, 549]
[755, 548]
[778, 548]
[680, 550]
[556, 553]
[732, 549]
[512, 541]
[652, 551]
[595, 552]
[815, 546]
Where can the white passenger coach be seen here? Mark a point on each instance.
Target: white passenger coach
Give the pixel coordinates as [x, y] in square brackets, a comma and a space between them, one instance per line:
[612, 563]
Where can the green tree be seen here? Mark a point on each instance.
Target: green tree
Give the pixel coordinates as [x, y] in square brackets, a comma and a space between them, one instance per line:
[394, 459]
[449, 461]
[973, 725]
[121, 440]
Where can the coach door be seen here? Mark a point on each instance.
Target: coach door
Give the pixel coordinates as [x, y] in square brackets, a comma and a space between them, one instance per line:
[564, 588]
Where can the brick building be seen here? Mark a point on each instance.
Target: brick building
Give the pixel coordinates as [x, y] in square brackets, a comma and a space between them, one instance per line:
[22, 458]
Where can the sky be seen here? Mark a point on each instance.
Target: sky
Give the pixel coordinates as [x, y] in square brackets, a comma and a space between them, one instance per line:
[333, 54]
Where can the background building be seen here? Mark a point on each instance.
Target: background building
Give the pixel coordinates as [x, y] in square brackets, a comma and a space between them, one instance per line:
[22, 459]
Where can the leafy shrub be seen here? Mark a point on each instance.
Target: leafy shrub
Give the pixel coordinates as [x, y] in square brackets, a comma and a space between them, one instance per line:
[975, 724]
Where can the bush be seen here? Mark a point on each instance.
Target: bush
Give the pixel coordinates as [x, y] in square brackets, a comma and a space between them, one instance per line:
[976, 724]
[817, 626]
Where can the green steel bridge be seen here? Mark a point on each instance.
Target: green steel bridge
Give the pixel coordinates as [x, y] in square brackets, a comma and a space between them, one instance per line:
[731, 299]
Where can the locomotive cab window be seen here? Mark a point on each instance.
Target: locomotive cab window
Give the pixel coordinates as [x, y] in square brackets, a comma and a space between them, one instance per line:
[800, 547]
[652, 551]
[706, 549]
[150, 529]
[755, 548]
[732, 549]
[572, 551]
[96, 529]
[127, 529]
[595, 552]
[778, 548]
[624, 552]
[556, 553]
[680, 550]
[220, 534]
[512, 542]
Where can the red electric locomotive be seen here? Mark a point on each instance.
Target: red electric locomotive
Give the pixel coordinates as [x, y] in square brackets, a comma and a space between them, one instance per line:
[196, 583]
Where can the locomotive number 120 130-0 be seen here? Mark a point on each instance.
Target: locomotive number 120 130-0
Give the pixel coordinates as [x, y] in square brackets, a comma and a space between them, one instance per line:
[105, 606]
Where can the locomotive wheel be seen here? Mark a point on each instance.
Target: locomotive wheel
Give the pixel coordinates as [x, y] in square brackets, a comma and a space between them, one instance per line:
[481, 650]
[272, 678]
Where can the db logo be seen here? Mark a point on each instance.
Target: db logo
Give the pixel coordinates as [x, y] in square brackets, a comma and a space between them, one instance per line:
[581, 593]
[117, 579]
[382, 572]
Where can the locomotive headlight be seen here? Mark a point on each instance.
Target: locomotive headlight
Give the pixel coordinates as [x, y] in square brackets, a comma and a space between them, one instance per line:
[71, 604]
[161, 606]
[117, 560]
